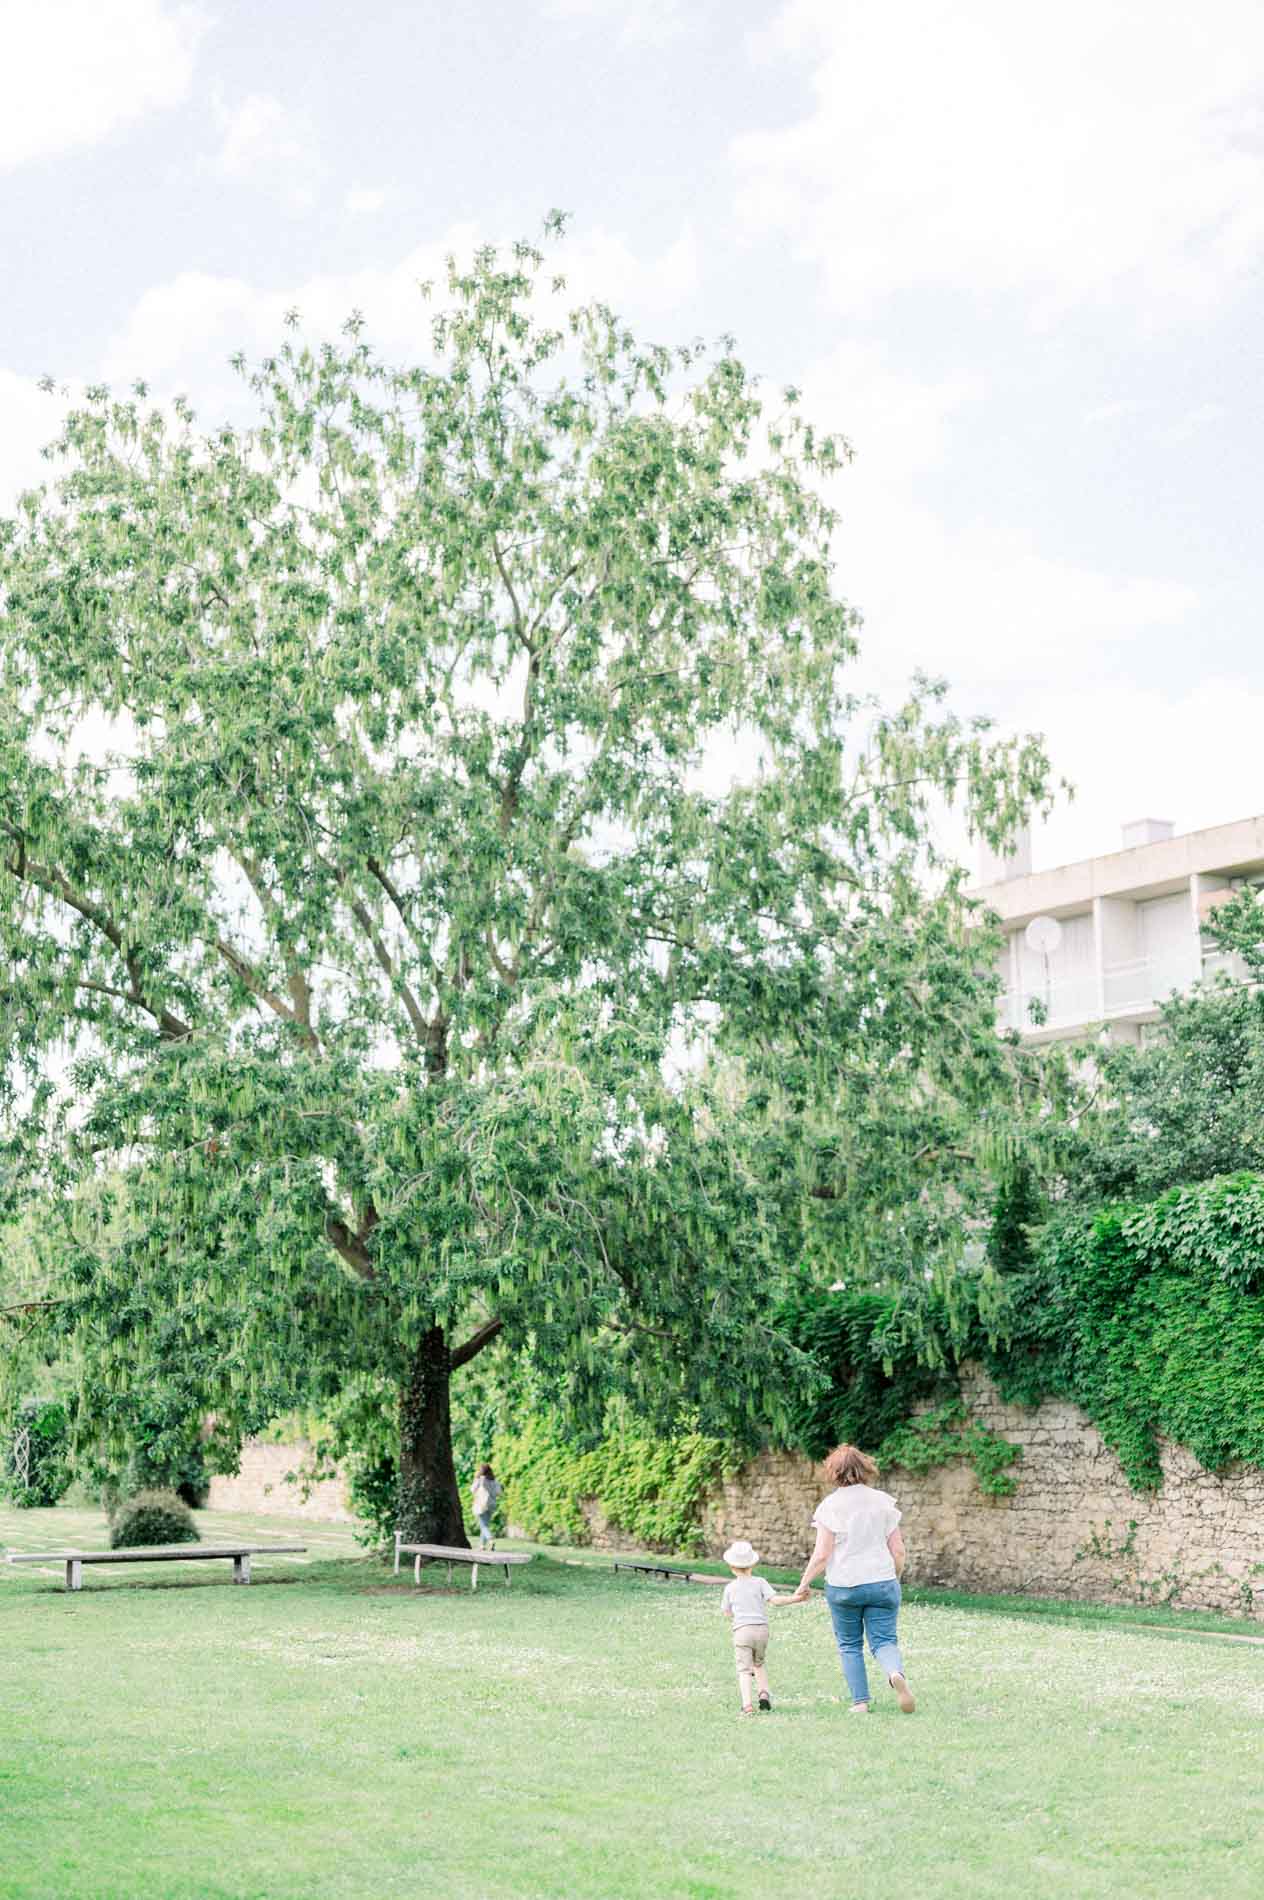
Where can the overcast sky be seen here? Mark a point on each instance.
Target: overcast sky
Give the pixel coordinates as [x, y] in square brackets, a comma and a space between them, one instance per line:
[1014, 253]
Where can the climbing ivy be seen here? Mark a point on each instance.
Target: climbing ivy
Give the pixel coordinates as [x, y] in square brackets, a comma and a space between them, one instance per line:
[946, 1432]
[652, 1488]
[1150, 1317]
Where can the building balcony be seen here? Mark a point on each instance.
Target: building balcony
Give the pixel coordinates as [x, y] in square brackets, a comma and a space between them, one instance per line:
[1046, 1007]
[1134, 989]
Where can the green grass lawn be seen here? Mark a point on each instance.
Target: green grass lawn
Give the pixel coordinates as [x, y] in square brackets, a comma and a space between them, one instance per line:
[331, 1732]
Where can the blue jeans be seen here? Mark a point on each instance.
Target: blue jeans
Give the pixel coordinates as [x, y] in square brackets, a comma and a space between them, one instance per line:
[484, 1526]
[865, 1609]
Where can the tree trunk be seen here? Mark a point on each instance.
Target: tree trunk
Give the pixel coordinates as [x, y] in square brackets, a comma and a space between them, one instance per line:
[429, 1501]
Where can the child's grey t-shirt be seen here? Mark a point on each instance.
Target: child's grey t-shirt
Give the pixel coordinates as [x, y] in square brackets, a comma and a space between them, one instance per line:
[747, 1598]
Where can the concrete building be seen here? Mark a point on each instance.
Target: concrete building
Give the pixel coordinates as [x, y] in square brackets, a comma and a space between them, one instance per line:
[1130, 927]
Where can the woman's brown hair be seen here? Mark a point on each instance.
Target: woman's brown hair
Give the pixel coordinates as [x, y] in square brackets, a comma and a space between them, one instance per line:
[847, 1464]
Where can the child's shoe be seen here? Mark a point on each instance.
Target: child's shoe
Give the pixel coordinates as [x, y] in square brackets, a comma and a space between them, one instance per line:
[765, 1700]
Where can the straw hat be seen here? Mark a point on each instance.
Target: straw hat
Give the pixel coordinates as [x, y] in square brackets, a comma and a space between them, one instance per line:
[741, 1555]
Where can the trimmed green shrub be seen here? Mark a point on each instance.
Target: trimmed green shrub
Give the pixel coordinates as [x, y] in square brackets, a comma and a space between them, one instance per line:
[152, 1517]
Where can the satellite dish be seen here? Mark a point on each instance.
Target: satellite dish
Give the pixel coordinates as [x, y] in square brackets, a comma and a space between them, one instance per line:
[1043, 935]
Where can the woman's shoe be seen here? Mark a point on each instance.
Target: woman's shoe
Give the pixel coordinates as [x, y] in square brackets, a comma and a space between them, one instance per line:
[765, 1700]
[858, 1708]
[903, 1694]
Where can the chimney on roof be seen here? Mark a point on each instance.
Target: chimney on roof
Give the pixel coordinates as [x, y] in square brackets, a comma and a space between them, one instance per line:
[998, 867]
[1146, 831]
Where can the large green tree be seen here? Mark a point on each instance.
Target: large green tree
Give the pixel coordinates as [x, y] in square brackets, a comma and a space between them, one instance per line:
[449, 893]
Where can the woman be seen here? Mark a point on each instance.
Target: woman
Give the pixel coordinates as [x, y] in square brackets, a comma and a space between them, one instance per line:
[485, 1491]
[861, 1551]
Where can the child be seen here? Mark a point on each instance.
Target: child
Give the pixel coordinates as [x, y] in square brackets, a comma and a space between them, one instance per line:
[746, 1601]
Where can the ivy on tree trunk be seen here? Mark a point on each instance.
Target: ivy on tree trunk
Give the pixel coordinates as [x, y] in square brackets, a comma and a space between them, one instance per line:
[429, 1500]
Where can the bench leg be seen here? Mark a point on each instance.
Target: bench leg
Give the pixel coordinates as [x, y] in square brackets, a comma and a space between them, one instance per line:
[508, 1575]
[397, 1553]
[74, 1574]
[473, 1576]
[417, 1573]
[241, 1569]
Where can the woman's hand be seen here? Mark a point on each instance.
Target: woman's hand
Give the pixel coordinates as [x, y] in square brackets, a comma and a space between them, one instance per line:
[816, 1563]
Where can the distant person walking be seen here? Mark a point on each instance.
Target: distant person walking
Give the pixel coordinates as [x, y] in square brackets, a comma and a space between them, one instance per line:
[485, 1495]
[861, 1550]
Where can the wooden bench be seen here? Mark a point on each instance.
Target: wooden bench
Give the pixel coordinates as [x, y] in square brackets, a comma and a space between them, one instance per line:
[451, 1554]
[74, 1560]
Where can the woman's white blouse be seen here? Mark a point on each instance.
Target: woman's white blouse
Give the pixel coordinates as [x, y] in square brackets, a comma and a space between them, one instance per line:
[861, 1519]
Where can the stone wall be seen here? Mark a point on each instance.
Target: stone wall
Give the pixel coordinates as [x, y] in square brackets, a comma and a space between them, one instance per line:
[262, 1486]
[1073, 1528]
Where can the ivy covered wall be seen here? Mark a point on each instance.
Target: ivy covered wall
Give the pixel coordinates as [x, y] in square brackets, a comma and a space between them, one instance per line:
[1149, 1318]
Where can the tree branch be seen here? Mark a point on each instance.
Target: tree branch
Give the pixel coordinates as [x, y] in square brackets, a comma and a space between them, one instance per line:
[378, 871]
[55, 883]
[462, 1355]
[523, 749]
[415, 1015]
[349, 1246]
[247, 973]
[509, 589]
[299, 987]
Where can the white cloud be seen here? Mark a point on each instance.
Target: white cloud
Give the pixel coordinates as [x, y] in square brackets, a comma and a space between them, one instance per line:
[639, 22]
[989, 609]
[29, 419]
[363, 199]
[265, 141]
[980, 603]
[898, 424]
[180, 334]
[1192, 757]
[1204, 415]
[1122, 409]
[1111, 147]
[74, 71]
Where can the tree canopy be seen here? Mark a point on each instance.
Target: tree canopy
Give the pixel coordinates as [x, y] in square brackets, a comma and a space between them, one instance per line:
[449, 891]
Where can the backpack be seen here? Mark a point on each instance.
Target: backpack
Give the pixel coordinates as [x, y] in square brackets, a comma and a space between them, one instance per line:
[482, 1498]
